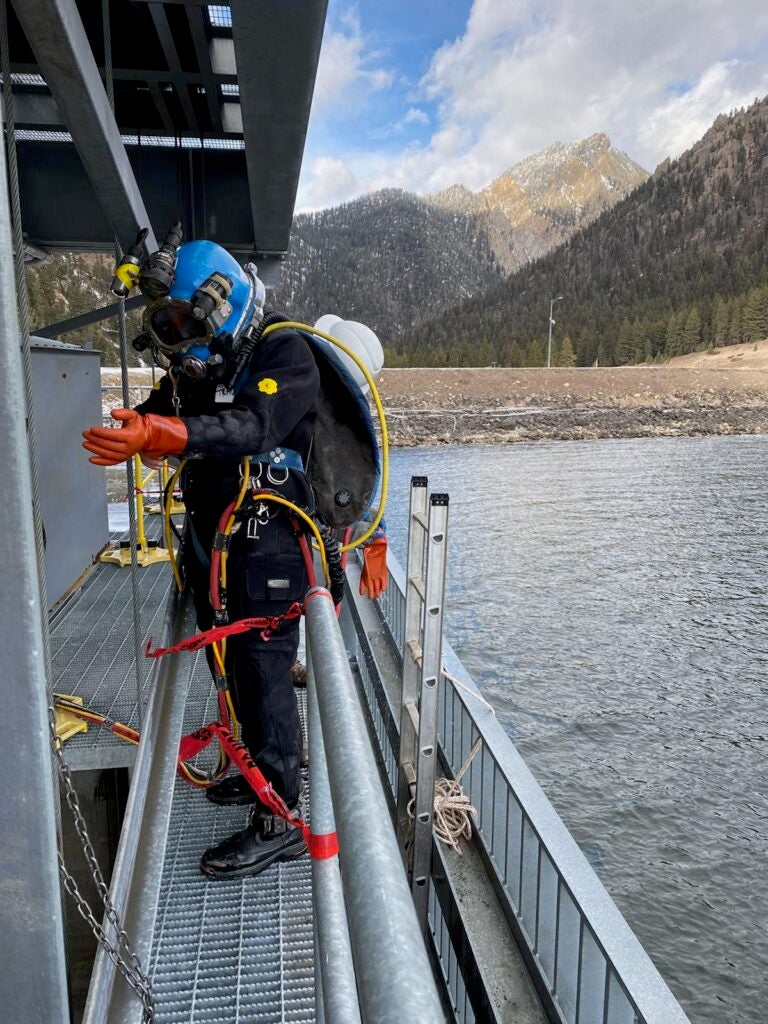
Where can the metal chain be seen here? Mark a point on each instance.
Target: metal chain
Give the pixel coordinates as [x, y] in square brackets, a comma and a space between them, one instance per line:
[119, 951]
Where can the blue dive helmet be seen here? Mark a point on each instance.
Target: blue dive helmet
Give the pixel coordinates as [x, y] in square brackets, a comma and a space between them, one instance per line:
[211, 297]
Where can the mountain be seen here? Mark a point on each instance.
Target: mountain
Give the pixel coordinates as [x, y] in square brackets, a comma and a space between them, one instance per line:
[540, 202]
[387, 259]
[679, 264]
[391, 258]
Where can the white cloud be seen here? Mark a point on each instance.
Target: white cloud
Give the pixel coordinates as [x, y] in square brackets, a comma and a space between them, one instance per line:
[332, 181]
[413, 115]
[347, 71]
[526, 73]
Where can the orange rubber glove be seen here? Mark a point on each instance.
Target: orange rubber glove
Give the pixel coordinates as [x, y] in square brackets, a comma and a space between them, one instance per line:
[373, 579]
[152, 435]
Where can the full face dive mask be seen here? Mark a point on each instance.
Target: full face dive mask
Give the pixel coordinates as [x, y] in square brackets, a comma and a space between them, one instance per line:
[201, 303]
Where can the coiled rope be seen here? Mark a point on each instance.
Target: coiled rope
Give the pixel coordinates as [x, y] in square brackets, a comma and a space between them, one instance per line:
[452, 810]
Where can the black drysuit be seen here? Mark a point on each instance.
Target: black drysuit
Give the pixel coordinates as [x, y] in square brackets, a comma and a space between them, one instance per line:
[265, 569]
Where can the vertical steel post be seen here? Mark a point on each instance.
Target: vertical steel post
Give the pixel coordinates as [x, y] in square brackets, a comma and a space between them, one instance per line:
[431, 666]
[406, 760]
[335, 985]
[394, 976]
[33, 983]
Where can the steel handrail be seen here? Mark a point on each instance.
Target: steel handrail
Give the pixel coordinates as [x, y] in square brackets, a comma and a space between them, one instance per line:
[394, 976]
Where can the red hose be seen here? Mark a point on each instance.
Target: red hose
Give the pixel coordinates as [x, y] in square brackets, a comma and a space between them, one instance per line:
[215, 581]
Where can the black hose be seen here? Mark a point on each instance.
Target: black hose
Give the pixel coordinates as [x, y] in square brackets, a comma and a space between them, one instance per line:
[166, 499]
[336, 574]
[249, 345]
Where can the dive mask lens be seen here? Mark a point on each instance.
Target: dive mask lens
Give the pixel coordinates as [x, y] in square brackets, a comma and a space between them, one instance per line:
[173, 326]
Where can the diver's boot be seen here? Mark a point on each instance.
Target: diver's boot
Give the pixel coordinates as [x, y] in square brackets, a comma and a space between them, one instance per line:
[266, 839]
[235, 789]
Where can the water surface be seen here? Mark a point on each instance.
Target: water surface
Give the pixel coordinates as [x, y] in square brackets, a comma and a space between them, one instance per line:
[610, 598]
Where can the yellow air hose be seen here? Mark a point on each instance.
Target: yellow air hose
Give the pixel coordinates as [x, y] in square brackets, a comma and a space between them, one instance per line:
[379, 409]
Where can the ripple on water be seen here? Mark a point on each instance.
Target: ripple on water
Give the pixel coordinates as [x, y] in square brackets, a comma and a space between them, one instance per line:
[611, 599]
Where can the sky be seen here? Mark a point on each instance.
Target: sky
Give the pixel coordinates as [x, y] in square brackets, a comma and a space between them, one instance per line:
[423, 94]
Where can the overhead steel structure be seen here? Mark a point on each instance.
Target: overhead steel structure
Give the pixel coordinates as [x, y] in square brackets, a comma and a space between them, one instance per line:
[212, 103]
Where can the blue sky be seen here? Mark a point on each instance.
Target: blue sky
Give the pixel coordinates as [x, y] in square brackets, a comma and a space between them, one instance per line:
[422, 94]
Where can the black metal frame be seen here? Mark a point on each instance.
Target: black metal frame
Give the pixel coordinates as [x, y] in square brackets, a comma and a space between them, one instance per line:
[235, 186]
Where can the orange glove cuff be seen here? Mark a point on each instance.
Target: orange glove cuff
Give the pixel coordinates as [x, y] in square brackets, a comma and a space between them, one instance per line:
[166, 435]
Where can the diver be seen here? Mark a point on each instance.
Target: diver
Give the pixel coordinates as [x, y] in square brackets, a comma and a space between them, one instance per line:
[229, 393]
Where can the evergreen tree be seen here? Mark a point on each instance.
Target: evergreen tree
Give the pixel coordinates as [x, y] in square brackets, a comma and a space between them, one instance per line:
[535, 355]
[674, 341]
[625, 344]
[692, 331]
[566, 356]
[755, 324]
[720, 322]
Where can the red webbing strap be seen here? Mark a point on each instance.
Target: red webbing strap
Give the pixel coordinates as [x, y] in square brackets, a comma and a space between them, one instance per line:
[320, 846]
[195, 742]
[267, 624]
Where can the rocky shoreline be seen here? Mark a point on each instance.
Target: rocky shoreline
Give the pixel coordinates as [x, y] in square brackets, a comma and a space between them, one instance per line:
[501, 405]
[433, 427]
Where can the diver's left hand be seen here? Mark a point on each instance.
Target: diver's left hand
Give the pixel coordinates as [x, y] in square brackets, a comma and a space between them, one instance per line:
[373, 579]
[152, 435]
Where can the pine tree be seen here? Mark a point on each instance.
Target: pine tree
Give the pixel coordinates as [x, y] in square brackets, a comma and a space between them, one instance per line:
[625, 344]
[692, 331]
[535, 355]
[566, 356]
[755, 323]
[720, 322]
[674, 340]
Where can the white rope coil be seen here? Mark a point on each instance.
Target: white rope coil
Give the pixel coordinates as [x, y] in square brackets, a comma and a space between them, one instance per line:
[452, 811]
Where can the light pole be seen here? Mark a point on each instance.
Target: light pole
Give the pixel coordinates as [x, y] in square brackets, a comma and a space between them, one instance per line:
[551, 325]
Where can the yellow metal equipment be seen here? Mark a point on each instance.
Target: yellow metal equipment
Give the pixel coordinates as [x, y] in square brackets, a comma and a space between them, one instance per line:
[177, 507]
[67, 724]
[147, 552]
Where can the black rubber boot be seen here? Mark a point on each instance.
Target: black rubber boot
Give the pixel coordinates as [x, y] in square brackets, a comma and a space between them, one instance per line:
[265, 840]
[235, 789]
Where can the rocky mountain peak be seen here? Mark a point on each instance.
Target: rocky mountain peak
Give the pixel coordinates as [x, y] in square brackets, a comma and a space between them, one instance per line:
[540, 201]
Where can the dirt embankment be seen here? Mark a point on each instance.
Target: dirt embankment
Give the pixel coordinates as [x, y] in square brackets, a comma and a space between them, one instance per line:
[503, 404]
[429, 406]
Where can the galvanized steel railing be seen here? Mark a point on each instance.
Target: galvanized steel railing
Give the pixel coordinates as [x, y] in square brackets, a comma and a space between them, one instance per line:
[394, 979]
[587, 964]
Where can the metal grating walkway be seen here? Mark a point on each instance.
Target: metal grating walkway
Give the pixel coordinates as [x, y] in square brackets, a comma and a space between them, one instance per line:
[224, 952]
[92, 653]
[236, 951]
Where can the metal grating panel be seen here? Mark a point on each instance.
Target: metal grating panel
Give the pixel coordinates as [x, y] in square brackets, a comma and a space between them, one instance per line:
[92, 654]
[236, 951]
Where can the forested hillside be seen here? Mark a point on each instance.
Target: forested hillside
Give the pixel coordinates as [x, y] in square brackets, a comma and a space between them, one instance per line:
[678, 265]
[388, 259]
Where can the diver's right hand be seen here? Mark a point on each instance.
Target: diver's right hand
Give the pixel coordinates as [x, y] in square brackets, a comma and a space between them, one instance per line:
[155, 436]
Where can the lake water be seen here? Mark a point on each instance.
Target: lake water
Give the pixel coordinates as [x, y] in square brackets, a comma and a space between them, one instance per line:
[611, 600]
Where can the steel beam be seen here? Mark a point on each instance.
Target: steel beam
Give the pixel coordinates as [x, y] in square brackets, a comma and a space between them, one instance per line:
[203, 54]
[33, 984]
[74, 323]
[277, 47]
[55, 32]
[163, 29]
